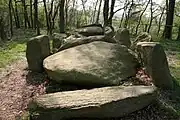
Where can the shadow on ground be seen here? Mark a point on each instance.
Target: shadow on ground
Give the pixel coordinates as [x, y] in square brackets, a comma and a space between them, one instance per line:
[51, 86]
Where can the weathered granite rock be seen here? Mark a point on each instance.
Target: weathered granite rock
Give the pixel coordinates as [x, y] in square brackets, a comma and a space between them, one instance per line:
[93, 64]
[58, 40]
[109, 34]
[155, 61]
[91, 30]
[109, 31]
[122, 36]
[38, 49]
[143, 37]
[73, 41]
[107, 102]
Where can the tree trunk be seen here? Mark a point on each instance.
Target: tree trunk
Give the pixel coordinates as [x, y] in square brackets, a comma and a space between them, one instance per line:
[74, 13]
[111, 13]
[94, 13]
[31, 13]
[66, 13]
[17, 14]
[169, 20]
[128, 15]
[61, 17]
[99, 10]
[122, 18]
[54, 16]
[178, 37]
[160, 19]
[140, 17]
[36, 22]
[2, 32]
[105, 12]
[26, 19]
[10, 17]
[146, 27]
[167, 7]
[151, 18]
[47, 18]
[84, 10]
[14, 14]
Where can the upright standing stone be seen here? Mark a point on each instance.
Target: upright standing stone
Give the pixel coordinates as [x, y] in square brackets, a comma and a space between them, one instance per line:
[155, 61]
[143, 37]
[38, 49]
[122, 36]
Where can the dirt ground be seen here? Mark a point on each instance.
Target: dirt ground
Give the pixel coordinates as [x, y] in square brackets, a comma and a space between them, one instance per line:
[16, 90]
[18, 86]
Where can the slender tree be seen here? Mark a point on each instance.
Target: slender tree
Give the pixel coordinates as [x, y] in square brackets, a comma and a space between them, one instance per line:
[160, 20]
[151, 16]
[84, 10]
[2, 29]
[26, 19]
[61, 17]
[17, 15]
[140, 17]
[124, 12]
[128, 14]
[36, 22]
[178, 36]
[105, 12]
[99, 10]
[66, 12]
[94, 13]
[54, 16]
[169, 19]
[47, 18]
[10, 17]
[31, 13]
[111, 12]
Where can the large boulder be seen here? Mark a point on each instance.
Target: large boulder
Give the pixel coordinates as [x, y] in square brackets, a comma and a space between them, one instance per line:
[38, 48]
[58, 40]
[122, 36]
[91, 30]
[155, 62]
[109, 31]
[107, 102]
[74, 40]
[109, 34]
[94, 64]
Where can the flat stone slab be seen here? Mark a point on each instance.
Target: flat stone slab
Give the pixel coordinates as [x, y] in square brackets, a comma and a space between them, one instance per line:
[105, 102]
[93, 64]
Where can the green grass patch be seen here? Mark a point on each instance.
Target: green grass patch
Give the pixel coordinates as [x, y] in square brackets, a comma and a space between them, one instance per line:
[14, 49]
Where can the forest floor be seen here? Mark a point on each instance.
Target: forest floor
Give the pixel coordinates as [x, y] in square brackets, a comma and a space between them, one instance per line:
[18, 85]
